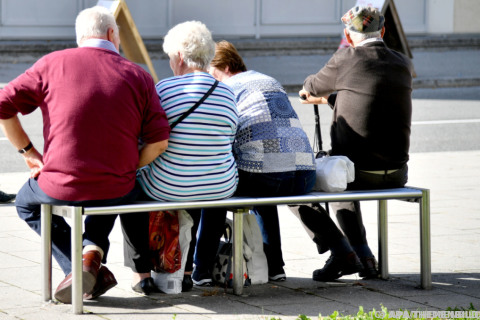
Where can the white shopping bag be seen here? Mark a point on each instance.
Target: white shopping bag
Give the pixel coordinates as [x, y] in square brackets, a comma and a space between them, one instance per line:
[333, 173]
[253, 254]
[253, 250]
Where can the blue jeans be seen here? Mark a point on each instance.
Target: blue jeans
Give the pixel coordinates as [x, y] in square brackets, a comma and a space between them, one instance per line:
[97, 228]
[212, 222]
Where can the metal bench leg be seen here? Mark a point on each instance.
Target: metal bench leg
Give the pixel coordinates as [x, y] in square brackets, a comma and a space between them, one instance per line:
[383, 239]
[425, 248]
[238, 250]
[77, 231]
[46, 251]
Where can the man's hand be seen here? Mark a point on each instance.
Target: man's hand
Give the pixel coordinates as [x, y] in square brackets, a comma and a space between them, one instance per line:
[34, 161]
[307, 98]
[16, 135]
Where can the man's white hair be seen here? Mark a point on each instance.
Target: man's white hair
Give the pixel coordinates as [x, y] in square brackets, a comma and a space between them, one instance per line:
[358, 37]
[194, 41]
[94, 22]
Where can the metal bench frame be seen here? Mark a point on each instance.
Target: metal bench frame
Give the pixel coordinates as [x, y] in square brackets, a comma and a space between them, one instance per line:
[239, 206]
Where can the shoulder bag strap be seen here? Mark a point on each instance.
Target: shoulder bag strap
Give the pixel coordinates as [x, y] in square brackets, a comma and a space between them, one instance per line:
[199, 102]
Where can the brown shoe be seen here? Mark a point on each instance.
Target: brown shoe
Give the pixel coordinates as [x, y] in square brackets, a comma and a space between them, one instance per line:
[91, 265]
[105, 282]
[92, 260]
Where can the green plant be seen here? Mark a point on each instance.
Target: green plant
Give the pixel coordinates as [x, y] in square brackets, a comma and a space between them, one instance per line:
[303, 317]
[383, 314]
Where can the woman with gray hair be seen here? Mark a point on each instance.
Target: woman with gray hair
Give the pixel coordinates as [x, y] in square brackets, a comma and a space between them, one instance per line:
[198, 163]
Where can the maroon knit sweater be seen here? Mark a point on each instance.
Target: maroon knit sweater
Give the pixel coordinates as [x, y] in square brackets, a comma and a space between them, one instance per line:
[95, 105]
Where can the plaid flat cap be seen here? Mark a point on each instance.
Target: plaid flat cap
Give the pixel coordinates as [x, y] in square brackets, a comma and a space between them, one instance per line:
[363, 19]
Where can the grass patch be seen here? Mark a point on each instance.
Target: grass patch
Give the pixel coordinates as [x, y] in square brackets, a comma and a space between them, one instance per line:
[457, 313]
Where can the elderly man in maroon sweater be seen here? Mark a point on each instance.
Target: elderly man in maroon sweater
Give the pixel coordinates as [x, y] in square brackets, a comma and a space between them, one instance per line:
[95, 106]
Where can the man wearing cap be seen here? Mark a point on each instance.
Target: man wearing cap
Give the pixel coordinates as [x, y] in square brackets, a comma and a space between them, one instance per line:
[369, 87]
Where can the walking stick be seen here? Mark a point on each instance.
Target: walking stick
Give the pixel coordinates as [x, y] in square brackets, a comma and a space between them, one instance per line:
[317, 141]
[317, 149]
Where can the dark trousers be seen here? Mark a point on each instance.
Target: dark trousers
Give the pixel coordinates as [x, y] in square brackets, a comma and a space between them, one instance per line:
[212, 222]
[195, 214]
[97, 228]
[324, 231]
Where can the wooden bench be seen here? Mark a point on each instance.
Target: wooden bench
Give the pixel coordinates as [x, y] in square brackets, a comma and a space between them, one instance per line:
[239, 206]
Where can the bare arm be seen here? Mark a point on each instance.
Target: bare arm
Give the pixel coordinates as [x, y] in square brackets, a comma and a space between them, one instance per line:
[19, 139]
[151, 151]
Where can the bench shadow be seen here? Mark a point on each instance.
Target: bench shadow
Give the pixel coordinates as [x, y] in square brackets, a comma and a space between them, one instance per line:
[298, 296]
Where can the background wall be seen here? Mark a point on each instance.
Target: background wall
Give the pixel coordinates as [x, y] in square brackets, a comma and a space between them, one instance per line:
[54, 19]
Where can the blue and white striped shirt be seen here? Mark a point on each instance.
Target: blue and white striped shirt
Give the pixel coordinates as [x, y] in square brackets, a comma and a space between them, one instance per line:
[199, 163]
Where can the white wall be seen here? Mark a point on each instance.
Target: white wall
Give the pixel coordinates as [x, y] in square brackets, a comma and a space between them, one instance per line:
[54, 19]
[466, 16]
[440, 16]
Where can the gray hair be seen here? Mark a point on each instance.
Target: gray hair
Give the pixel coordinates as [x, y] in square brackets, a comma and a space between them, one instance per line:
[358, 37]
[94, 23]
[194, 41]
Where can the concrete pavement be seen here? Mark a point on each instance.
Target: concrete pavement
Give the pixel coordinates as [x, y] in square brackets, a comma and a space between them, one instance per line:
[455, 228]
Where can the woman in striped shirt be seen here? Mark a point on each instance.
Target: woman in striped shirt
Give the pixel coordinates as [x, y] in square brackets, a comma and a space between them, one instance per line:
[198, 163]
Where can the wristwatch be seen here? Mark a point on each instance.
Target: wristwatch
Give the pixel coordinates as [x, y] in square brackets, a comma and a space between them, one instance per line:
[28, 147]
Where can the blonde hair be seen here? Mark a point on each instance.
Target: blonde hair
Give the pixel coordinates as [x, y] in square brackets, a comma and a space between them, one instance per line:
[194, 41]
[94, 22]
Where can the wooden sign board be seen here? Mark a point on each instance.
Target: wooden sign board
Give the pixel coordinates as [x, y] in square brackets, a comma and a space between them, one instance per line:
[131, 41]
[394, 36]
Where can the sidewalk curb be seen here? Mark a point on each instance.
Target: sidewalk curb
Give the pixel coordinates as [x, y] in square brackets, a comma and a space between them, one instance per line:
[31, 50]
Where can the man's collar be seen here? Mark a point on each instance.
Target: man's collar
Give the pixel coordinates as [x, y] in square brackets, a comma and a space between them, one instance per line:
[369, 41]
[99, 43]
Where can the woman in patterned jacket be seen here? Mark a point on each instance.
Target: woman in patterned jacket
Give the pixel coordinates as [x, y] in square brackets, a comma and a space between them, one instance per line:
[273, 155]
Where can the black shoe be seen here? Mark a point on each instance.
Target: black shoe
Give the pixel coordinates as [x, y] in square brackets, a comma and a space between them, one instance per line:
[145, 286]
[6, 197]
[277, 275]
[187, 283]
[202, 279]
[336, 267]
[370, 268]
